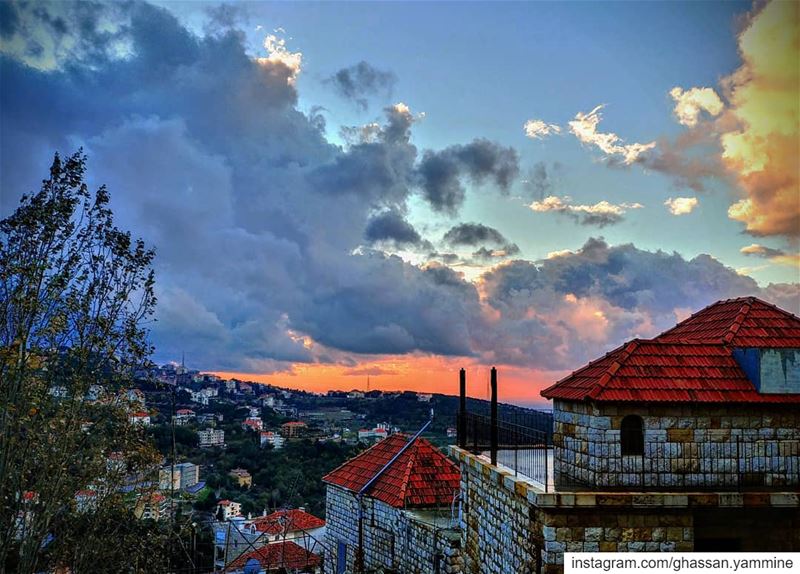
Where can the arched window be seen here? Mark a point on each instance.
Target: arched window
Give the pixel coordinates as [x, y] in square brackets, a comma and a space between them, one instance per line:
[632, 435]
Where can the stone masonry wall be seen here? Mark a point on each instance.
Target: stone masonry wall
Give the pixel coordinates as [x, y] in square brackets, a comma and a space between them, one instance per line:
[394, 540]
[510, 526]
[685, 445]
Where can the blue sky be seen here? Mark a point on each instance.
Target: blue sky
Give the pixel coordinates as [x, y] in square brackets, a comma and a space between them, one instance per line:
[482, 69]
[342, 189]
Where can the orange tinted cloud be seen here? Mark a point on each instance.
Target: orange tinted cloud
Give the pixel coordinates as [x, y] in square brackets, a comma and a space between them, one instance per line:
[764, 95]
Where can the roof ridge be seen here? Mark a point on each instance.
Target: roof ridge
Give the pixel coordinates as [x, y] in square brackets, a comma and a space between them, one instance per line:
[737, 321]
[412, 455]
[627, 350]
[583, 368]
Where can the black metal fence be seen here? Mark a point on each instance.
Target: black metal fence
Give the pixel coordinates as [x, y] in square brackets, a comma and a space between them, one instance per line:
[523, 449]
[739, 463]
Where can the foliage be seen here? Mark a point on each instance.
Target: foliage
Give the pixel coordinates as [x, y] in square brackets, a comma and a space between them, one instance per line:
[75, 297]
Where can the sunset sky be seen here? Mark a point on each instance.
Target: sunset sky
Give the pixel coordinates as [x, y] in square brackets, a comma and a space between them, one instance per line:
[340, 191]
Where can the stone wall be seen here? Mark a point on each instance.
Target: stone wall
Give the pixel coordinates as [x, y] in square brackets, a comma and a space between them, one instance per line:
[510, 526]
[685, 445]
[394, 540]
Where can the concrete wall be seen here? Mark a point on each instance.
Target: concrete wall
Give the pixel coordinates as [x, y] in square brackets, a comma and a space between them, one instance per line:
[395, 540]
[685, 445]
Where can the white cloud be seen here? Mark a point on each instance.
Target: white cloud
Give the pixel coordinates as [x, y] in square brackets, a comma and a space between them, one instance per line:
[277, 53]
[681, 205]
[538, 129]
[584, 127]
[601, 213]
[690, 103]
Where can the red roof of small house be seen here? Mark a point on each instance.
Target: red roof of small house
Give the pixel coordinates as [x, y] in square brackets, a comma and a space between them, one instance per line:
[226, 502]
[184, 412]
[280, 555]
[692, 362]
[140, 415]
[294, 424]
[287, 521]
[421, 477]
[744, 322]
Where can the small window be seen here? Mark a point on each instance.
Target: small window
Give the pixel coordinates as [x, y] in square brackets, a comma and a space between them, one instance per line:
[632, 436]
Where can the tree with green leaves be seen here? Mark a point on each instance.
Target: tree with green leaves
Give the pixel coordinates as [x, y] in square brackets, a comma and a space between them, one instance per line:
[76, 296]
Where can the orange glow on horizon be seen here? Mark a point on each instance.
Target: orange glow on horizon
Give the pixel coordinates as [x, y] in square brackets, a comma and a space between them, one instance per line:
[422, 374]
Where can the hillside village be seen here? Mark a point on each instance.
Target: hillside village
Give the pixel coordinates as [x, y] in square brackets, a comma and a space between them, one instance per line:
[362, 481]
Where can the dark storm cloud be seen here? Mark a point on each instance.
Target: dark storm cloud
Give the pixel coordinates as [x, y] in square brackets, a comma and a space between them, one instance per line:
[473, 234]
[9, 19]
[360, 81]
[485, 255]
[392, 226]
[442, 173]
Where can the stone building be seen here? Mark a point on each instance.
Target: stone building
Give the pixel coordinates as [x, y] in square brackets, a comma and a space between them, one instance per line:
[686, 442]
[391, 509]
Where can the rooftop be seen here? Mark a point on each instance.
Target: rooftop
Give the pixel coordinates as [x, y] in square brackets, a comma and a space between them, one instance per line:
[287, 521]
[420, 477]
[692, 362]
[280, 555]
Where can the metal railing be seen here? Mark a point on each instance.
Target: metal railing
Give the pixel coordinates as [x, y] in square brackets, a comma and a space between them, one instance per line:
[525, 450]
[738, 464]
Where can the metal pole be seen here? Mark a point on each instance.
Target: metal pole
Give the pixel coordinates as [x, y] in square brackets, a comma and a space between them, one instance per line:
[493, 437]
[462, 409]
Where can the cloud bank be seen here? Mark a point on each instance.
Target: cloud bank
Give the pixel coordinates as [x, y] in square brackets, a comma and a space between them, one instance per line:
[260, 222]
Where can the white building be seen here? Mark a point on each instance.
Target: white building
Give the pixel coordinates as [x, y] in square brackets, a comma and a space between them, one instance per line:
[269, 437]
[184, 416]
[380, 432]
[139, 418]
[253, 423]
[211, 438]
[229, 508]
[424, 397]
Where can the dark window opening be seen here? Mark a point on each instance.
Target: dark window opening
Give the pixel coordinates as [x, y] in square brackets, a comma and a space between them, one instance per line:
[632, 436]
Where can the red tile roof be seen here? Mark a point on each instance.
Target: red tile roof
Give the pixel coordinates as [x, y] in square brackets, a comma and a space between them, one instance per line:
[692, 362]
[278, 556]
[287, 521]
[743, 322]
[421, 477]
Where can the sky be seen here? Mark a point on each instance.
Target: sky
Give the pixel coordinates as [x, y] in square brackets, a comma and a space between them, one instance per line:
[344, 192]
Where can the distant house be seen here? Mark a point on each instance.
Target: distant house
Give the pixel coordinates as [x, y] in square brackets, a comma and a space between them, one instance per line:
[380, 432]
[152, 506]
[424, 397]
[182, 476]
[293, 429]
[211, 438]
[139, 418]
[286, 557]
[184, 416]
[271, 438]
[85, 500]
[355, 395]
[242, 477]
[253, 424]
[452, 432]
[229, 509]
[383, 507]
[294, 524]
